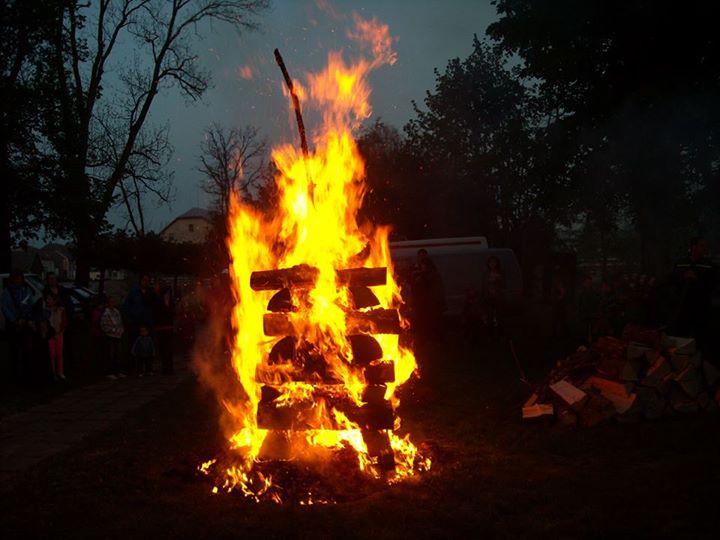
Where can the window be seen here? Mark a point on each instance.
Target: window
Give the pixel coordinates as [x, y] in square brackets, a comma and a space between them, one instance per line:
[191, 227]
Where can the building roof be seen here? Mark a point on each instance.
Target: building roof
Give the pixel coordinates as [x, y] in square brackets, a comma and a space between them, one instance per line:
[193, 213]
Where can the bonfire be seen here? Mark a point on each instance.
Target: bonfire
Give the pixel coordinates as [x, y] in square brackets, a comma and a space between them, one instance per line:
[317, 348]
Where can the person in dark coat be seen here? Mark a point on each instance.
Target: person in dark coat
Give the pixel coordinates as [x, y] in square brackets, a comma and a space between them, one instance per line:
[164, 317]
[139, 306]
[694, 279]
[18, 308]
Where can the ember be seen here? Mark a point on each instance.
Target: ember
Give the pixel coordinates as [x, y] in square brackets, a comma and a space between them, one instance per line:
[317, 348]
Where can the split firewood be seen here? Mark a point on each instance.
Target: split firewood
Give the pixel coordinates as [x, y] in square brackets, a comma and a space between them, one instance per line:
[680, 345]
[650, 337]
[679, 361]
[653, 402]
[613, 355]
[630, 372]
[537, 411]
[567, 418]
[681, 402]
[636, 350]
[597, 409]
[532, 400]
[570, 394]
[691, 381]
[657, 374]
[614, 392]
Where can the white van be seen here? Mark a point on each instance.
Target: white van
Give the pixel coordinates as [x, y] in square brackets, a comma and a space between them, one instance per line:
[461, 263]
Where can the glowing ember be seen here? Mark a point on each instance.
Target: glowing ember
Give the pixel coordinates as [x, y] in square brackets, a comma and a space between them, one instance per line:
[316, 345]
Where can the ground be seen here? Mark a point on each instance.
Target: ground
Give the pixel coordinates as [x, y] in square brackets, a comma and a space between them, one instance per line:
[493, 476]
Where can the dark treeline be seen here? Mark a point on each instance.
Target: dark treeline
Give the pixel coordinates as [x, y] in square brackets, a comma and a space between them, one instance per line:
[598, 120]
[591, 126]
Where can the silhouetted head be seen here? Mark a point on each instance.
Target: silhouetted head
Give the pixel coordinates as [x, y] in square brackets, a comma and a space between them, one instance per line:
[51, 280]
[493, 263]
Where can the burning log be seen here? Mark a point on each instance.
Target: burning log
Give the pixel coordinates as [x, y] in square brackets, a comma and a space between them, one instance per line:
[378, 444]
[365, 349]
[380, 372]
[377, 321]
[362, 277]
[304, 415]
[304, 276]
[363, 297]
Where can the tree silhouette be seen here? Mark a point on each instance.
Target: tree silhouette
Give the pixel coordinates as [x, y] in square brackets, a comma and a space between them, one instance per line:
[106, 150]
[233, 163]
[634, 88]
[24, 31]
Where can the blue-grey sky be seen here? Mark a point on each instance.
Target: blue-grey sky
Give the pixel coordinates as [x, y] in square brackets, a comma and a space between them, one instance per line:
[428, 33]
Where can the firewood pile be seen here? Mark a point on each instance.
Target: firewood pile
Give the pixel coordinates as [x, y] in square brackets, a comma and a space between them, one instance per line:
[645, 375]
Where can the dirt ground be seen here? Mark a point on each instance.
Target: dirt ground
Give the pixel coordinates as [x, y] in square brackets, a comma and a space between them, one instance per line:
[493, 477]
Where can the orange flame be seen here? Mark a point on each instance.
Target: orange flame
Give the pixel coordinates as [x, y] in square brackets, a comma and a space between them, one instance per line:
[314, 224]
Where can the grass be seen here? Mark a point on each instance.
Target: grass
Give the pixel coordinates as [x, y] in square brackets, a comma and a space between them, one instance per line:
[493, 477]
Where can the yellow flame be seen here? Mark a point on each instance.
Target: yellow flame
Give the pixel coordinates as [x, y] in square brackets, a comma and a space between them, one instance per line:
[313, 224]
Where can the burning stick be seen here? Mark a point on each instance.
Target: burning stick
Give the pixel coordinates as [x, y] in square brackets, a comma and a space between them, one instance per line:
[296, 103]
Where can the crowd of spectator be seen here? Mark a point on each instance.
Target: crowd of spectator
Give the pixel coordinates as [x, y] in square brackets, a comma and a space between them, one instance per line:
[135, 335]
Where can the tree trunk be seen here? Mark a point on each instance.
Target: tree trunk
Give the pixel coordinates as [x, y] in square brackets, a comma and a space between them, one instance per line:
[84, 243]
[5, 240]
[5, 212]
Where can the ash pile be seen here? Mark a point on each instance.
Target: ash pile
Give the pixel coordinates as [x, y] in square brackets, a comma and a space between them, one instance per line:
[645, 375]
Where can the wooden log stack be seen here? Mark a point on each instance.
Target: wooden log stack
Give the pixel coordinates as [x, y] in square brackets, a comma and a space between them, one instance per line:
[645, 375]
[294, 360]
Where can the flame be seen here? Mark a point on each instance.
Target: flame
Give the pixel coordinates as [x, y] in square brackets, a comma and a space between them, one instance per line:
[315, 224]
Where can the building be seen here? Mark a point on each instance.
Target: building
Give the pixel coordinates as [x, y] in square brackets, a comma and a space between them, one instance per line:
[192, 226]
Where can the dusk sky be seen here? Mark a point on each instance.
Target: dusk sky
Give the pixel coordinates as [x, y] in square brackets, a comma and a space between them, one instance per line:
[247, 84]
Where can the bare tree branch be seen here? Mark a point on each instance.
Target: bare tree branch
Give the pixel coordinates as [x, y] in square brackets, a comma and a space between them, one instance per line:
[232, 162]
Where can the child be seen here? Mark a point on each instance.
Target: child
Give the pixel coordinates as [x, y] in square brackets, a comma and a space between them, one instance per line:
[112, 328]
[57, 321]
[143, 352]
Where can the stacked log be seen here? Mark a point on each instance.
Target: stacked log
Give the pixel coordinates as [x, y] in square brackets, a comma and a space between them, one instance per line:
[645, 375]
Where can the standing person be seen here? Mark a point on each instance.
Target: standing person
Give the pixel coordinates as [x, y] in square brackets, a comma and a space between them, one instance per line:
[111, 325]
[143, 352]
[493, 293]
[17, 307]
[694, 279]
[57, 320]
[53, 287]
[99, 349]
[428, 297]
[139, 305]
[165, 327]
